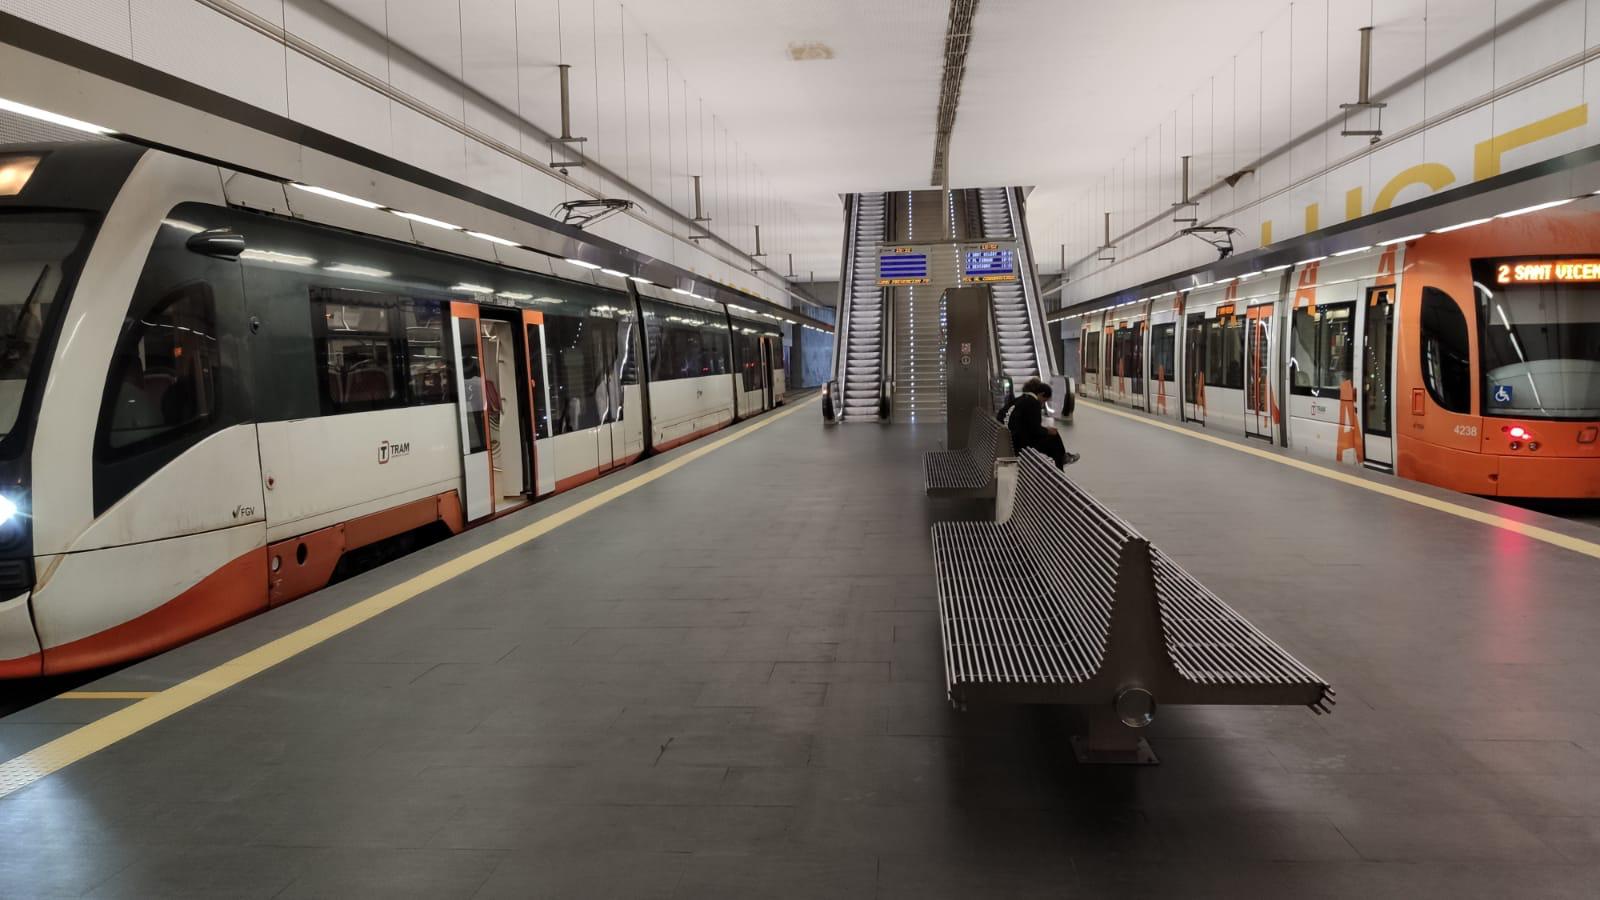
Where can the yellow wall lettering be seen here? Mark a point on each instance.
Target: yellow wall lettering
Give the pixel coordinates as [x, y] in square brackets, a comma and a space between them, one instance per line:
[1435, 175]
[1266, 232]
[1311, 218]
[1352, 204]
[1486, 155]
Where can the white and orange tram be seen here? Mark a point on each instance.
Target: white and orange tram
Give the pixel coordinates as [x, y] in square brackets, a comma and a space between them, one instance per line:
[1467, 358]
[204, 407]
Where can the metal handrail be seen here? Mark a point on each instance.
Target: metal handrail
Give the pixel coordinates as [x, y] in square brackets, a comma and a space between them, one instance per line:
[1042, 351]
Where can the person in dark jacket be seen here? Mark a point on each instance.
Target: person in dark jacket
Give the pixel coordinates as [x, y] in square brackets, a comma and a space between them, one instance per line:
[1026, 423]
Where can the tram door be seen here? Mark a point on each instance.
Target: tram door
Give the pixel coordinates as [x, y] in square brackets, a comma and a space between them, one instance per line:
[538, 392]
[477, 473]
[1377, 375]
[1194, 368]
[771, 358]
[1258, 368]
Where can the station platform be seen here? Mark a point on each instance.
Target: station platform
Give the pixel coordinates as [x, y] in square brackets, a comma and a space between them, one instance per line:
[718, 673]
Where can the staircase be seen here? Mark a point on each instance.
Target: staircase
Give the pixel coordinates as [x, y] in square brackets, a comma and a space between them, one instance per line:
[1012, 327]
[862, 375]
[919, 320]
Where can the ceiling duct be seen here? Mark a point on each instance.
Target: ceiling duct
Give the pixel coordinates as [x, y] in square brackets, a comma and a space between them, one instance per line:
[957, 40]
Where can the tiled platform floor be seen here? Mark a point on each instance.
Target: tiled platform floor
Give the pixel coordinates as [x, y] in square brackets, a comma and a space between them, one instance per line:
[728, 684]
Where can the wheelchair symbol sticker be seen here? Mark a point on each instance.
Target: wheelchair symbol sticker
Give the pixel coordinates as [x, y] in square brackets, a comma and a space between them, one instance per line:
[1502, 393]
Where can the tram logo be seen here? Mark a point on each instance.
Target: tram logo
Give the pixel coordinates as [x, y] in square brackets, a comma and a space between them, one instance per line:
[390, 449]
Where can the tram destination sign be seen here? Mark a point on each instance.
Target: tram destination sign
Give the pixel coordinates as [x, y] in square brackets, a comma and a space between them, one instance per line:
[1575, 270]
[901, 266]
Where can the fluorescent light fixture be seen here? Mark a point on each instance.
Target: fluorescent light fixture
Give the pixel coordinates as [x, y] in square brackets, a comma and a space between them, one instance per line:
[425, 220]
[472, 288]
[1249, 275]
[1276, 268]
[514, 295]
[348, 269]
[1353, 251]
[1534, 208]
[1159, 296]
[583, 264]
[273, 256]
[335, 195]
[548, 301]
[33, 112]
[492, 239]
[1401, 240]
[1457, 227]
[614, 273]
[640, 280]
[1307, 262]
[684, 292]
[740, 308]
[1206, 285]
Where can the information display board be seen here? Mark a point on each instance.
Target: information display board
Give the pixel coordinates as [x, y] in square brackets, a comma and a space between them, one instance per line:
[982, 263]
[902, 265]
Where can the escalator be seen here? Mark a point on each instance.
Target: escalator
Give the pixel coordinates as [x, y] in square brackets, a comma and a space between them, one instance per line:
[1016, 330]
[861, 362]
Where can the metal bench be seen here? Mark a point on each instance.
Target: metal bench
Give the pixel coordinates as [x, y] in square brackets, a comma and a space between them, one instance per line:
[968, 471]
[1066, 603]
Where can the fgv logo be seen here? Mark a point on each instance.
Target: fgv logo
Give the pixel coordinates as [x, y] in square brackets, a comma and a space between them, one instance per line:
[390, 449]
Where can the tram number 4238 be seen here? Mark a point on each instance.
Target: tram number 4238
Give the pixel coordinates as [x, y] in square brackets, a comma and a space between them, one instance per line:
[1470, 431]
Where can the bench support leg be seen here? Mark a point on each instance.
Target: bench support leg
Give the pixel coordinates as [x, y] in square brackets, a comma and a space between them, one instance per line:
[1109, 742]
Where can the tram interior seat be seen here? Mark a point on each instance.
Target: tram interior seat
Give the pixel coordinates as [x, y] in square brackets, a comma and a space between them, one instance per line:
[1065, 603]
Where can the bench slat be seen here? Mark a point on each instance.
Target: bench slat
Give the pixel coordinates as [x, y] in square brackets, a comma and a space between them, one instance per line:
[1031, 601]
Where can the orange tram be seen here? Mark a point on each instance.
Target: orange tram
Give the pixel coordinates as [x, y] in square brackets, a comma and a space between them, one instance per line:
[1467, 357]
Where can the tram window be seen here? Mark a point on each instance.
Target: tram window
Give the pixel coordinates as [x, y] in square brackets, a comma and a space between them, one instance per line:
[1194, 355]
[1446, 353]
[472, 375]
[1163, 347]
[590, 359]
[1323, 353]
[428, 367]
[748, 343]
[1540, 348]
[1091, 356]
[358, 353]
[164, 376]
[716, 346]
[1224, 356]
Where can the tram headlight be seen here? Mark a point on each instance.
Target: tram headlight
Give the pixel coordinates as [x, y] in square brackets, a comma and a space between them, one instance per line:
[8, 509]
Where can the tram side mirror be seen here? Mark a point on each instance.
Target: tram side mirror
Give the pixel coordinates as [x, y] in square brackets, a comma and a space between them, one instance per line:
[222, 243]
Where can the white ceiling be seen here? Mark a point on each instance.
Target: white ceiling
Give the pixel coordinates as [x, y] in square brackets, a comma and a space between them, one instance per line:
[1056, 91]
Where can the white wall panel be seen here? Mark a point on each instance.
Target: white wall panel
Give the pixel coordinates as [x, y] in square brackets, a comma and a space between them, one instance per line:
[1287, 81]
[192, 42]
[352, 32]
[103, 23]
[425, 53]
[427, 144]
[327, 100]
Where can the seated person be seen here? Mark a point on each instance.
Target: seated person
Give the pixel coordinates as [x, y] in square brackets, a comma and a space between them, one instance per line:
[1026, 422]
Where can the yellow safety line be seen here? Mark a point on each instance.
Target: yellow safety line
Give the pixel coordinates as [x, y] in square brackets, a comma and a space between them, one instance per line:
[1556, 538]
[105, 695]
[24, 770]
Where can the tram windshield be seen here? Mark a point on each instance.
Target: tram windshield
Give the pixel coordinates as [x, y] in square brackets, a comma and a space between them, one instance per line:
[1541, 349]
[35, 249]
